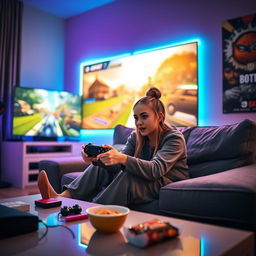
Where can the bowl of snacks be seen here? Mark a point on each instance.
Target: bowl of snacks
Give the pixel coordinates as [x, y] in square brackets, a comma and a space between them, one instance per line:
[107, 218]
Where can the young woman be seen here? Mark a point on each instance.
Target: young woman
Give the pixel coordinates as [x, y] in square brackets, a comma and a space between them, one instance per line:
[154, 156]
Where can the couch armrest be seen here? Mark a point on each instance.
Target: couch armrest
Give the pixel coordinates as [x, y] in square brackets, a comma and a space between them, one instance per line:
[57, 167]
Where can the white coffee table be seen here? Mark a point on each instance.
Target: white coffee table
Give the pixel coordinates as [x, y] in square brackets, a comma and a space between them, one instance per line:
[195, 238]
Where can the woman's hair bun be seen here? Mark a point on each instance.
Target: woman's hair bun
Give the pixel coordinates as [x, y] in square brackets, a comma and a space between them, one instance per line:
[154, 92]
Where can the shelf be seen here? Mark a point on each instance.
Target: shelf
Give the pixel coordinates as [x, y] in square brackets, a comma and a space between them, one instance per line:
[21, 159]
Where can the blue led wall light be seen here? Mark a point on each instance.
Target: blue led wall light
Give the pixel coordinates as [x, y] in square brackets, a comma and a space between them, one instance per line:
[104, 136]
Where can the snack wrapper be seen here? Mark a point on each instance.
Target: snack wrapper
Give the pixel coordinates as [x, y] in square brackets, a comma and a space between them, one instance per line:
[150, 232]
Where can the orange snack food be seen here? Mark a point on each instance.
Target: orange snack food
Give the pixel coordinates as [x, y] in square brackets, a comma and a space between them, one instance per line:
[107, 212]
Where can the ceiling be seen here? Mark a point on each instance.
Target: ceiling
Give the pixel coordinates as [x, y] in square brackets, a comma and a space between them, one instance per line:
[66, 8]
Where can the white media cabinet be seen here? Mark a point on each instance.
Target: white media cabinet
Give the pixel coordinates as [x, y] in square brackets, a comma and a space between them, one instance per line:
[21, 159]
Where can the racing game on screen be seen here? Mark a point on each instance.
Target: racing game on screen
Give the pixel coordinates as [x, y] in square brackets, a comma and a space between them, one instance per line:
[46, 113]
[111, 87]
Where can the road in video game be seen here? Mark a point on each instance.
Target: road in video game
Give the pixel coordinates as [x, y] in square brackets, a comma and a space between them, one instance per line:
[110, 88]
[46, 113]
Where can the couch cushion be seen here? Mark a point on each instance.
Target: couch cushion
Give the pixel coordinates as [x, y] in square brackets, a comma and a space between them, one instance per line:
[211, 167]
[228, 196]
[186, 131]
[69, 177]
[221, 142]
[121, 134]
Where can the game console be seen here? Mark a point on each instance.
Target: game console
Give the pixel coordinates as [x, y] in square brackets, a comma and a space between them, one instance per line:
[15, 222]
[93, 150]
[48, 203]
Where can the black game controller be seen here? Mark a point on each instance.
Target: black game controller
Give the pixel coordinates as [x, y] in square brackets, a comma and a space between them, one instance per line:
[93, 150]
[65, 210]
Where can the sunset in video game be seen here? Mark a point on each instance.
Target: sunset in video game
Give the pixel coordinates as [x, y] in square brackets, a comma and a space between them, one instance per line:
[111, 88]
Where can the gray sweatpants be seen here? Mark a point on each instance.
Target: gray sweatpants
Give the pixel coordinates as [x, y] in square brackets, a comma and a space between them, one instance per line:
[103, 186]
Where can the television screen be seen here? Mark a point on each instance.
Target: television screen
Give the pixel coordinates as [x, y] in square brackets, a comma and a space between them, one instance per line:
[46, 113]
[111, 87]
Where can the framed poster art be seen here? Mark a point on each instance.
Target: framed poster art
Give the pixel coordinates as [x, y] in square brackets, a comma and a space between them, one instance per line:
[239, 64]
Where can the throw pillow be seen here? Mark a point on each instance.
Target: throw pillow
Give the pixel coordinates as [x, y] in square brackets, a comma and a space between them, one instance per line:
[121, 134]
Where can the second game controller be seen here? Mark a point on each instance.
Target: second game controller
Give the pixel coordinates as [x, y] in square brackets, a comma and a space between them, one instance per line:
[65, 210]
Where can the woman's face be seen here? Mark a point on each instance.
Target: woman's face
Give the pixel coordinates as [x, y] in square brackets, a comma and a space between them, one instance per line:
[146, 121]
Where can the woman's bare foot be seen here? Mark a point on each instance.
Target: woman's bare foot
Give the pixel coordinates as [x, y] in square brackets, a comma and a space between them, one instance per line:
[46, 189]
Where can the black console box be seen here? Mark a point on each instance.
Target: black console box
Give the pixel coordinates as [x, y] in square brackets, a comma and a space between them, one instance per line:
[93, 150]
[14, 222]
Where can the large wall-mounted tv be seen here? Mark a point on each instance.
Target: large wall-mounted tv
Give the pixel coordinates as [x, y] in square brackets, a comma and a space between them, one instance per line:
[46, 113]
[111, 87]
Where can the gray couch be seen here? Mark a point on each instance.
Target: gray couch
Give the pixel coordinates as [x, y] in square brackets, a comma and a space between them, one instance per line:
[222, 185]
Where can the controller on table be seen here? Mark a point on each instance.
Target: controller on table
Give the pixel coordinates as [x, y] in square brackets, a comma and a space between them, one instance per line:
[72, 213]
[66, 210]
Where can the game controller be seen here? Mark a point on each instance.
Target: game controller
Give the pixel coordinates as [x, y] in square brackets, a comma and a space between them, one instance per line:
[66, 211]
[73, 213]
[93, 150]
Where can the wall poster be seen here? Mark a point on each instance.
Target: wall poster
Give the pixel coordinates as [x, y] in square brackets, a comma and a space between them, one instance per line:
[239, 64]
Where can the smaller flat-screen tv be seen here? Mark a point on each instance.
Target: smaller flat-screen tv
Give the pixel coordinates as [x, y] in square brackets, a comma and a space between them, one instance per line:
[45, 113]
[111, 87]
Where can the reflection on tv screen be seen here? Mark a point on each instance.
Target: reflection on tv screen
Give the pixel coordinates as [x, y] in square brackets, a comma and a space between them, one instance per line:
[46, 113]
[111, 87]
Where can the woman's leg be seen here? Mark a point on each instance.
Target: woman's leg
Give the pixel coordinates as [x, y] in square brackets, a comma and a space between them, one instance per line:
[84, 187]
[90, 183]
[128, 189]
[46, 189]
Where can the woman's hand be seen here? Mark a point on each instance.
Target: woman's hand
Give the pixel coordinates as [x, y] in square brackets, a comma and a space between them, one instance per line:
[85, 157]
[112, 157]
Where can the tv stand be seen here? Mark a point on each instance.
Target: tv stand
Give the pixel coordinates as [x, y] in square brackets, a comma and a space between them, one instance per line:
[21, 159]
